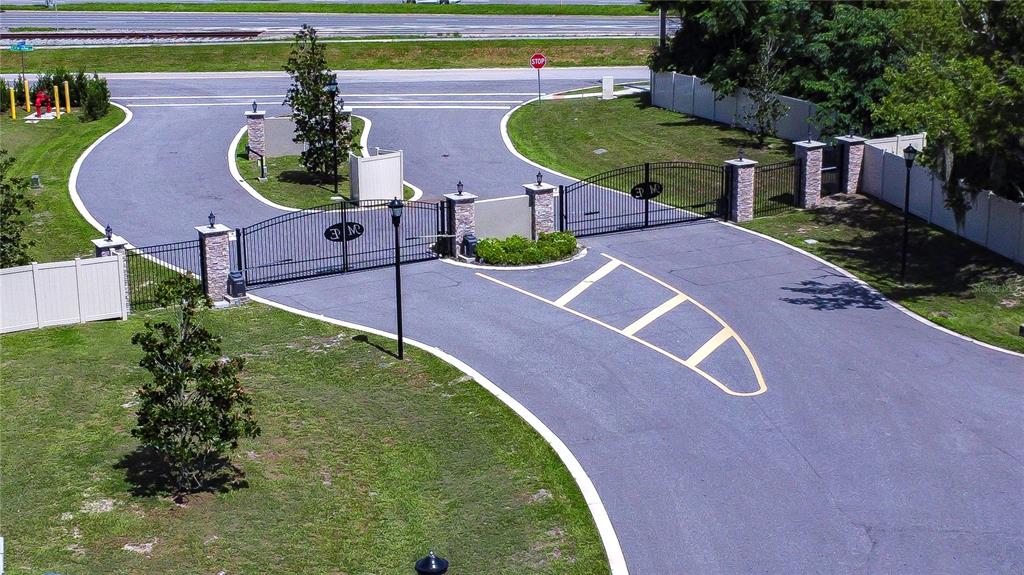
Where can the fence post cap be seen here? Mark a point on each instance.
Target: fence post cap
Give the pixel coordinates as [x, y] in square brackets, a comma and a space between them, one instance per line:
[542, 188]
[115, 241]
[466, 197]
[852, 139]
[257, 114]
[809, 145]
[741, 163]
[217, 229]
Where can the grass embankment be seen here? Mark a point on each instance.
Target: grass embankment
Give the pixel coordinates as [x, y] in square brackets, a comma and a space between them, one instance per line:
[330, 8]
[364, 463]
[50, 149]
[951, 281]
[289, 184]
[347, 56]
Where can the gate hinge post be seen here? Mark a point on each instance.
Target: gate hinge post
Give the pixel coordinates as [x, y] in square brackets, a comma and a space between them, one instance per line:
[216, 260]
[809, 158]
[741, 192]
[851, 160]
[462, 214]
[542, 207]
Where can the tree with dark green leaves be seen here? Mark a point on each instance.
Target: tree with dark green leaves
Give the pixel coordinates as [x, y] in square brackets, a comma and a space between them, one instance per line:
[964, 86]
[312, 105]
[15, 207]
[194, 409]
[766, 109]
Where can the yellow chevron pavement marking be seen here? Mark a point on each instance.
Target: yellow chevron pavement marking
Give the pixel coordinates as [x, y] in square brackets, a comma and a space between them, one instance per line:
[654, 314]
[586, 283]
[692, 362]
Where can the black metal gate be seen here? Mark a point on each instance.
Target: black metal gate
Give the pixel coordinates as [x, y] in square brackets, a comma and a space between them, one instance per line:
[776, 187]
[833, 178]
[641, 196]
[337, 238]
[150, 266]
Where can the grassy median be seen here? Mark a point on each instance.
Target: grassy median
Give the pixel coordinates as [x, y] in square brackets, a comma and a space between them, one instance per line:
[50, 149]
[951, 281]
[364, 463]
[344, 56]
[637, 9]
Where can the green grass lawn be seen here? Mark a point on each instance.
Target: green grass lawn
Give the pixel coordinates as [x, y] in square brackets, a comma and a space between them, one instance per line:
[953, 282]
[50, 149]
[564, 134]
[348, 56]
[950, 281]
[364, 463]
[392, 8]
[289, 184]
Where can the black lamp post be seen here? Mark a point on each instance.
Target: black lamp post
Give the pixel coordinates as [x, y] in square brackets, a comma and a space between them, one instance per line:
[431, 565]
[396, 206]
[909, 153]
[332, 89]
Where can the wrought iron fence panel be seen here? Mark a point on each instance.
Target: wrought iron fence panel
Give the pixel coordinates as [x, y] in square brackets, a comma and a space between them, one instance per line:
[775, 187]
[150, 266]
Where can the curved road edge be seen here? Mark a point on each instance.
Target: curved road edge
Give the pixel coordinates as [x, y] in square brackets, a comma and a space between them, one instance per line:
[610, 541]
[511, 148]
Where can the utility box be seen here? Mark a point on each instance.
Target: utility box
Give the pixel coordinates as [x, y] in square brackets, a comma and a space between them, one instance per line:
[607, 88]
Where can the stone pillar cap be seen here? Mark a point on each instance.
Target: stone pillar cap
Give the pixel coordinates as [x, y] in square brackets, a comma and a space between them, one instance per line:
[115, 241]
[465, 197]
[744, 163]
[809, 144]
[256, 114]
[852, 139]
[541, 187]
[215, 230]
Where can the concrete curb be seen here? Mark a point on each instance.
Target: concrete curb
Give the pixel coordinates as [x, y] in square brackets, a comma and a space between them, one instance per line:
[578, 256]
[73, 177]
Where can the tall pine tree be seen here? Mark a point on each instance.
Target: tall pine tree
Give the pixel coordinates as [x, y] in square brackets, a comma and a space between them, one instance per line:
[311, 105]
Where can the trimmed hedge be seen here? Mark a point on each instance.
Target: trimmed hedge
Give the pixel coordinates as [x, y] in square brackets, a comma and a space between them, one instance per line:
[519, 251]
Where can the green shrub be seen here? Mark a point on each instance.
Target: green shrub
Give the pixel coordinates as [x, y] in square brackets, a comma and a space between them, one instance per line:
[519, 251]
[97, 99]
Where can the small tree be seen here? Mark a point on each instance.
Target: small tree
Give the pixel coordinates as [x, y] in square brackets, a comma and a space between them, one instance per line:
[14, 209]
[765, 82]
[194, 409]
[96, 101]
[312, 105]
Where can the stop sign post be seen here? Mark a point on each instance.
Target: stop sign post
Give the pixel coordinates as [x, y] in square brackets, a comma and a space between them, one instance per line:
[537, 61]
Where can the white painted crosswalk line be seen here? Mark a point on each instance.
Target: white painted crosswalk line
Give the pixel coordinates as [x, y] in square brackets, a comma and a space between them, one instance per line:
[586, 283]
[709, 347]
[654, 314]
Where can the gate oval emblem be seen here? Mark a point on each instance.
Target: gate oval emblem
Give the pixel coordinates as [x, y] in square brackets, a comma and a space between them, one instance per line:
[646, 190]
[339, 233]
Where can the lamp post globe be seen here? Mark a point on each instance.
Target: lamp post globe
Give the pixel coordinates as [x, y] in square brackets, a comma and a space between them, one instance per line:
[431, 565]
[909, 154]
[395, 206]
[458, 187]
[540, 178]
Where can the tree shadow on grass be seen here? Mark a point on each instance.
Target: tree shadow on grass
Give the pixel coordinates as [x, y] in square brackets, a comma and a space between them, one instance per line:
[150, 476]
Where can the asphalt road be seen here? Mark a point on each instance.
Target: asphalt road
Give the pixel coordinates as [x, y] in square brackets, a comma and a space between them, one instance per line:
[880, 444]
[344, 24]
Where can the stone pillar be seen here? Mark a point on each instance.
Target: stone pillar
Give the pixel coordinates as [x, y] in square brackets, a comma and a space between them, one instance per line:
[116, 245]
[214, 244]
[256, 124]
[741, 189]
[852, 160]
[462, 217]
[809, 154]
[542, 205]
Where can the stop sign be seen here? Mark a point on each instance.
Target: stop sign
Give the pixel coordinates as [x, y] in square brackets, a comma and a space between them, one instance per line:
[538, 60]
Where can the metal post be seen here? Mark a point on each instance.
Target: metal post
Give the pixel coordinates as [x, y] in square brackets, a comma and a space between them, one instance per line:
[398, 291]
[662, 35]
[334, 142]
[906, 227]
[561, 208]
[538, 86]
[647, 201]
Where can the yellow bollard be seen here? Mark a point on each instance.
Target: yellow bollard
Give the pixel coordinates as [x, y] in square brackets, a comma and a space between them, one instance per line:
[67, 97]
[28, 100]
[14, 105]
[56, 100]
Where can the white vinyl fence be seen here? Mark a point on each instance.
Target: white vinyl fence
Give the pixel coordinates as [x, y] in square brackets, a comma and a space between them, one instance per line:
[690, 95]
[992, 221]
[378, 176]
[58, 293]
[896, 144]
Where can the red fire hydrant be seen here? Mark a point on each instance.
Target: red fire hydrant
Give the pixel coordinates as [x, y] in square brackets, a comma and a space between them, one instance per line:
[42, 98]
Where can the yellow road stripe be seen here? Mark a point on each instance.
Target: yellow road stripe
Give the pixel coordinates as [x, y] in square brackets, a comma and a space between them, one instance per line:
[654, 314]
[709, 347]
[586, 283]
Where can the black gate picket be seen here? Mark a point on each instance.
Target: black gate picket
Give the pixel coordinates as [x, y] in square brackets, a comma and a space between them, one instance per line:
[645, 195]
[336, 238]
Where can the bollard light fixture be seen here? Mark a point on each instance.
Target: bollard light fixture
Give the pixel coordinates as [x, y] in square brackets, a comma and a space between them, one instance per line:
[740, 152]
[458, 187]
[109, 231]
[540, 178]
[213, 219]
[254, 106]
[431, 565]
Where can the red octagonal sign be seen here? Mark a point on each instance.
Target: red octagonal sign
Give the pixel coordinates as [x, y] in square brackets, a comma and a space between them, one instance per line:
[538, 60]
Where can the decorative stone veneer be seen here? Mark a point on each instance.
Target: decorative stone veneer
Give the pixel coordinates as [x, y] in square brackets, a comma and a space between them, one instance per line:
[256, 125]
[741, 192]
[542, 202]
[463, 216]
[853, 160]
[809, 154]
[215, 243]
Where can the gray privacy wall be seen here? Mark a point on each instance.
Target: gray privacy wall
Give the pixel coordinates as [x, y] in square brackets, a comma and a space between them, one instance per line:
[993, 222]
[690, 95]
[503, 217]
[278, 135]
